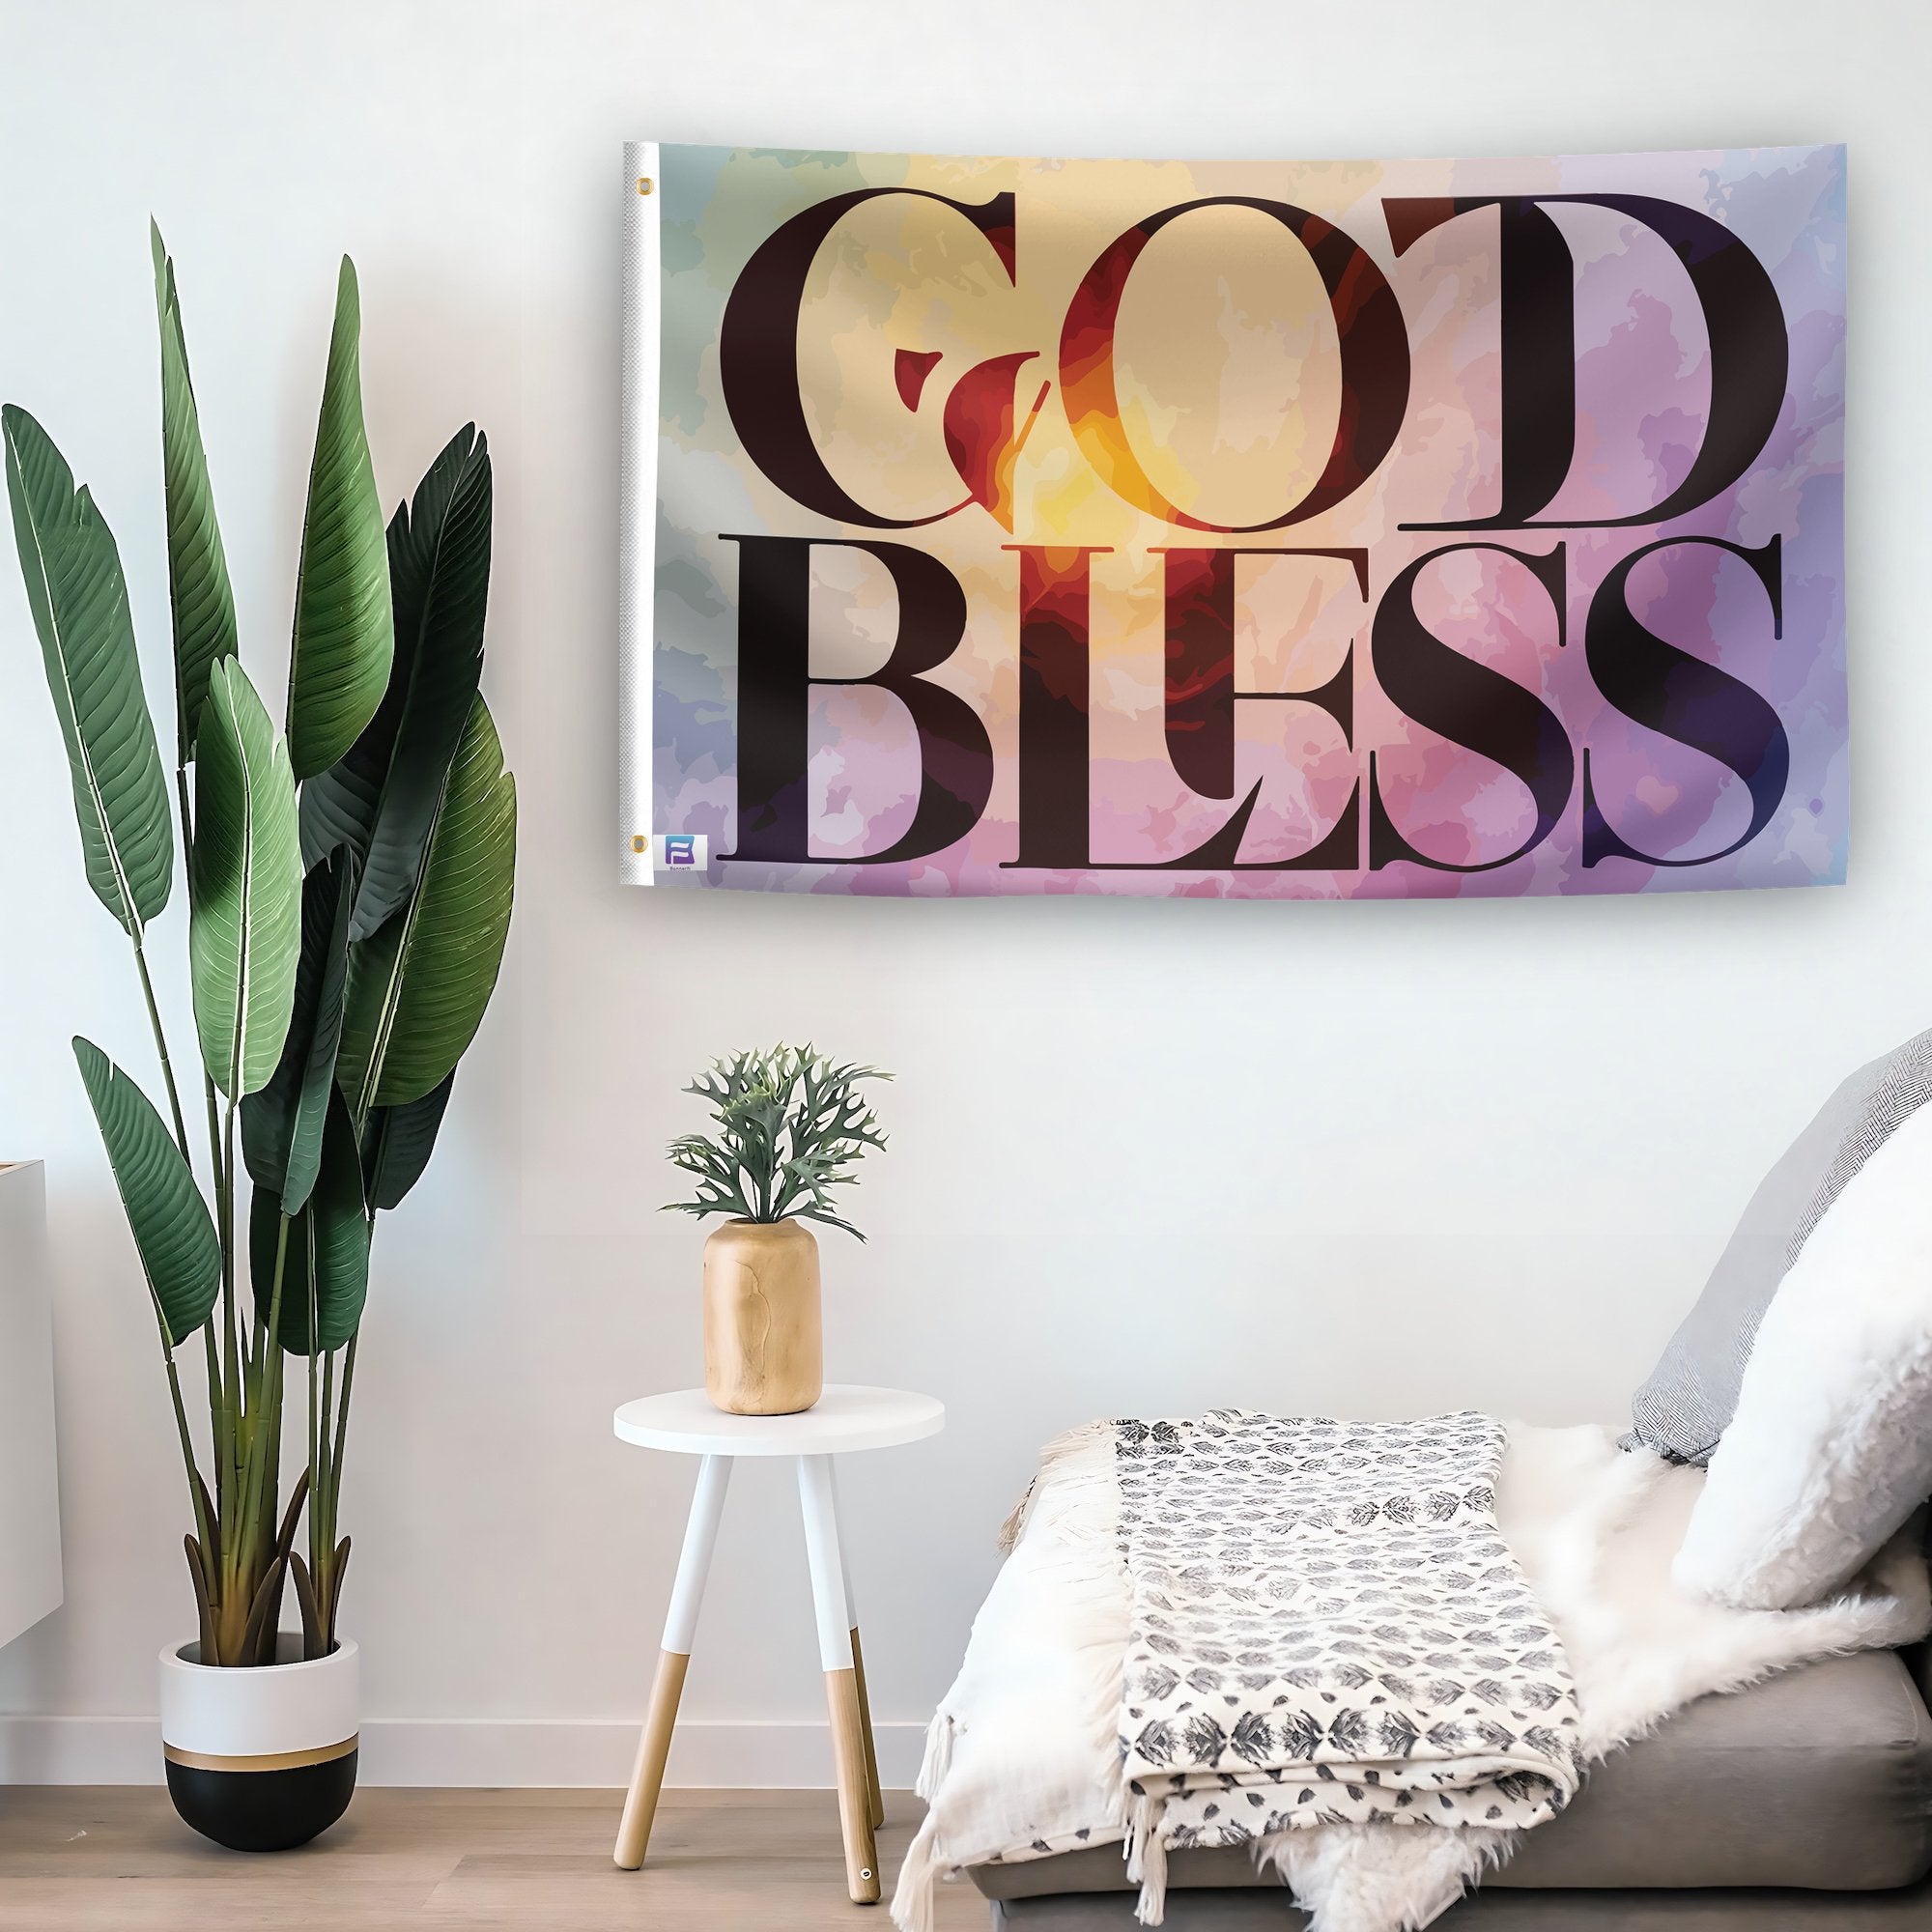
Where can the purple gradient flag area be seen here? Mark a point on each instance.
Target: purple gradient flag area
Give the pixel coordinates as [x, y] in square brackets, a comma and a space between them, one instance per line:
[1251, 529]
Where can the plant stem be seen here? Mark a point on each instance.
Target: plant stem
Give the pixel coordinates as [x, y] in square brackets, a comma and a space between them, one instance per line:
[195, 1485]
[231, 1358]
[243, 1567]
[323, 1527]
[322, 1519]
[342, 1415]
[161, 1047]
[316, 1433]
[221, 1435]
[217, 1435]
[268, 1408]
[202, 1528]
[236, 1420]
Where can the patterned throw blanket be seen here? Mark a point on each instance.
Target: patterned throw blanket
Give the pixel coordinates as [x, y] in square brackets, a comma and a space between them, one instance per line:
[1326, 1627]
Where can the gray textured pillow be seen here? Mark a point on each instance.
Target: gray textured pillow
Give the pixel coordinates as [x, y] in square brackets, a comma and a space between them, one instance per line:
[1692, 1393]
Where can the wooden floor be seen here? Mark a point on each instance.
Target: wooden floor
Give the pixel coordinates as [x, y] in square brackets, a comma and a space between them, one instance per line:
[74, 1860]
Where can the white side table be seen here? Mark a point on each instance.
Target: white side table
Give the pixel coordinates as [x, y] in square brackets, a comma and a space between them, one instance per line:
[843, 1419]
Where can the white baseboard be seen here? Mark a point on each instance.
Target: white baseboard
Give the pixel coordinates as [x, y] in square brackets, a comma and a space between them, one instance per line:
[479, 1751]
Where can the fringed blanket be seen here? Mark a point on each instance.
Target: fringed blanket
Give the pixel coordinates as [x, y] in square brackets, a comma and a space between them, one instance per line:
[1326, 1627]
[1024, 1757]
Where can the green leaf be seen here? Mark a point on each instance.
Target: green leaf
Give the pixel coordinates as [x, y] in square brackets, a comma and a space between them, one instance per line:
[380, 799]
[198, 589]
[281, 1126]
[418, 987]
[173, 1232]
[79, 601]
[344, 636]
[397, 1144]
[792, 1126]
[325, 1265]
[245, 882]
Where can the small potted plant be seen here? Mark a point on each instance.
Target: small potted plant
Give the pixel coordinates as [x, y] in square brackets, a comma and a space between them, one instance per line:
[790, 1128]
[349, 888]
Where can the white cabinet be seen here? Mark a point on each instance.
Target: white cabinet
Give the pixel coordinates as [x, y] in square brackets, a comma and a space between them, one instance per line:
[30, 1559]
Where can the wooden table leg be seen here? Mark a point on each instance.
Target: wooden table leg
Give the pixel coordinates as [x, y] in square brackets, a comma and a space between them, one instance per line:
[877, 1797]
[693, 1564]
[819, 1509]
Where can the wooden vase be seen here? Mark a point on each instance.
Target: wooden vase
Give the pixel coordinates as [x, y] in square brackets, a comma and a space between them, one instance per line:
[764, 1350]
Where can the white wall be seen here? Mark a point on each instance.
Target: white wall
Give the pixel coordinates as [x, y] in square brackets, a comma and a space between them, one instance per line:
[1147, 1156]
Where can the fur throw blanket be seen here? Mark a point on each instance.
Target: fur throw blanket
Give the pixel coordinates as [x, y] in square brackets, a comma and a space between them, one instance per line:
[1024, 1756]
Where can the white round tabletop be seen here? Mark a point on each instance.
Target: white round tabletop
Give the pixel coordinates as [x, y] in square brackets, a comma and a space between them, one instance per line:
[844, 1418]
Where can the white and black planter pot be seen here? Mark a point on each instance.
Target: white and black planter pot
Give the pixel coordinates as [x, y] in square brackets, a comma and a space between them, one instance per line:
[264, 1759]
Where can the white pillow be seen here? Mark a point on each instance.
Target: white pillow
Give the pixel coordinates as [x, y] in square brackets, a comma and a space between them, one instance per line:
[1831, 1449]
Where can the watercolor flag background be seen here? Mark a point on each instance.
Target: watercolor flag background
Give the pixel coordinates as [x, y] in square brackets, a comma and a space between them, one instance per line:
[954, 519]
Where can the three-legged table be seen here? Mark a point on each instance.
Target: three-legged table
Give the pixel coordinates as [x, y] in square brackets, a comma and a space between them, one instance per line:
[843, 1419]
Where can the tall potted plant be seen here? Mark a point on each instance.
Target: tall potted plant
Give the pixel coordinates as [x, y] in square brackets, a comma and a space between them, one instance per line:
[790, 1127]
[348, 883]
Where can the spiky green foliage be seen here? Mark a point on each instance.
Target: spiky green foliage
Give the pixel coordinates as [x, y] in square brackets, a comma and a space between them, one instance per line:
[791, 1126]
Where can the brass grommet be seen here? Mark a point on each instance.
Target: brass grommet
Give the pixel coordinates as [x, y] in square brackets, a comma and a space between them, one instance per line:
[643, 183]
[638, 841]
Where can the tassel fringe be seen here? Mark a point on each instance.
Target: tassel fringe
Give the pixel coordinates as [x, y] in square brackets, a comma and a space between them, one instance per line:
[1147, 1856]
[1010, 1530]
[1062, 1449]
[912, 1899]
[938, 1758]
